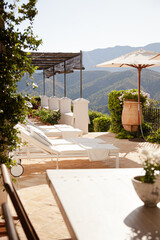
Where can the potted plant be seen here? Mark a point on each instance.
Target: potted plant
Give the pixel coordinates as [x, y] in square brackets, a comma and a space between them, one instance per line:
[148, 186]
[14, 63]
[132, 94]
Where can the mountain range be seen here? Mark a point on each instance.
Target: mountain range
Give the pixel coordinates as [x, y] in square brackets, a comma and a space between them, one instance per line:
[99, 82]
[96, 56]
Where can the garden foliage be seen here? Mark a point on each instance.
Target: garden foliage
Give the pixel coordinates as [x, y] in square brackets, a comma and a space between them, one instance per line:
[115, 105]
[102, 124]
[92, 116]
[36, 102]
[46, 116]
[99, 122]
[116, 111]
[14, 44]
[154, 137]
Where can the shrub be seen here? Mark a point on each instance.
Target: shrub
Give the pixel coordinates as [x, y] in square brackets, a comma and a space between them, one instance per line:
[116, 111]
[154, 137]
[92, 116]
[102, 124]
[123, 134]
[146, 129]
[46, 116]
[36, 102]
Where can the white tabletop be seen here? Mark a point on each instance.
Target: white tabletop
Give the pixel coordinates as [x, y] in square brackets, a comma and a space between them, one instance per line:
[100, 204]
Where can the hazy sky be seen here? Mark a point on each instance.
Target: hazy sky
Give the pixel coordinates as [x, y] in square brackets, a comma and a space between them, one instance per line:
[74, 25]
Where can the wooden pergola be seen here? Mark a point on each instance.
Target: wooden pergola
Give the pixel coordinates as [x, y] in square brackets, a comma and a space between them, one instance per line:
[52, 63]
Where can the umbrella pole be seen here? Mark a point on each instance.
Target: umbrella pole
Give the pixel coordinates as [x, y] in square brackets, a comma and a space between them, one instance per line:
[139, 89]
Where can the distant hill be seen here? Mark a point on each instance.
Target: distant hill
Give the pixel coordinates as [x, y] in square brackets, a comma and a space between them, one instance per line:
[91, 58]
[97, 85]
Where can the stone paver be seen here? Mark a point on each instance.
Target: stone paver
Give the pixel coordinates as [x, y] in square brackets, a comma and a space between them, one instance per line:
[38, 199]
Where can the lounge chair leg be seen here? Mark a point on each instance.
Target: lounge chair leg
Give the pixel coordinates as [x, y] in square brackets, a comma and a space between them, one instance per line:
[28, 152]
[117, 160]
[57, 163]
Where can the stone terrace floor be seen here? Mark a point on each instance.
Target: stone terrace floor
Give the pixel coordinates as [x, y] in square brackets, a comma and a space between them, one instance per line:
[38, 199]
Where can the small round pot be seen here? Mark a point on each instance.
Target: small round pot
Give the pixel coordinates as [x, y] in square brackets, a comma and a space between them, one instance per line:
[149, 193]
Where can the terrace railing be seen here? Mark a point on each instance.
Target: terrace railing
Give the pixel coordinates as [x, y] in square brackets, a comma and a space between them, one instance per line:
[152, 116]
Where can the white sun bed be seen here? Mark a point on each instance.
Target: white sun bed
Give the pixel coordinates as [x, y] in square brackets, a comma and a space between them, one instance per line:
[57, 130]
[94, 149]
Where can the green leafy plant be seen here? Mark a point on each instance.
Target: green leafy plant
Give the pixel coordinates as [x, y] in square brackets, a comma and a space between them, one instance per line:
[45, 116]
[116, 111]
[14, 63]
[36, 102]
[123, 134]
[154, 137]
[92, 116]
[102, 124]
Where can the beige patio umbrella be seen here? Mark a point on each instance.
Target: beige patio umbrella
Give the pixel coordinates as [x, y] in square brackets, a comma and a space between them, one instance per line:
[139, 59]
[157, 57]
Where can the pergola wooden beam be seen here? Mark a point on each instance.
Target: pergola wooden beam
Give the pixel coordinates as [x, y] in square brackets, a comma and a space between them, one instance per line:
[48, 60]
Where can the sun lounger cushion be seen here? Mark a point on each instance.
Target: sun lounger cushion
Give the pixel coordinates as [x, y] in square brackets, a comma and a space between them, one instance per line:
[70, 133]
[39, 135]
[67, 149]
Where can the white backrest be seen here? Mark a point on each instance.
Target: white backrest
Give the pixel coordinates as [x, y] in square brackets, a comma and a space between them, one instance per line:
[44, 101]
[65, 105]
[80, 112]
[53, 103]
[39, 135]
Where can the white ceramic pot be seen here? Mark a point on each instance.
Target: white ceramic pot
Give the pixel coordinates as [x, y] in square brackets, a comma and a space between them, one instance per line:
[149, 193]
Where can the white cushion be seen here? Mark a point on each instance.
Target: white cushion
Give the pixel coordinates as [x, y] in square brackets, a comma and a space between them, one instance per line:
[40, 136]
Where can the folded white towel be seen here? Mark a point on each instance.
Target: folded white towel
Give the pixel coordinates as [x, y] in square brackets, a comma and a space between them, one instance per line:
[96, 151]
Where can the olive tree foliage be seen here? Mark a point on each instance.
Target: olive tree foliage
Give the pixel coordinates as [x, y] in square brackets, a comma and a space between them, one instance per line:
[15, 43]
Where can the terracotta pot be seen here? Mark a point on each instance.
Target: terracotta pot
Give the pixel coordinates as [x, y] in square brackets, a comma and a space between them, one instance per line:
[149, 193]
[130, 115]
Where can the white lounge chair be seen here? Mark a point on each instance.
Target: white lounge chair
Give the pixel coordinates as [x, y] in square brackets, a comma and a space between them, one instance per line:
[57, 130]
[94, 149]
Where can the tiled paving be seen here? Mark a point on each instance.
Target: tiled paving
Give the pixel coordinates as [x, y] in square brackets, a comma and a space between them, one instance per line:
[38, 199]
